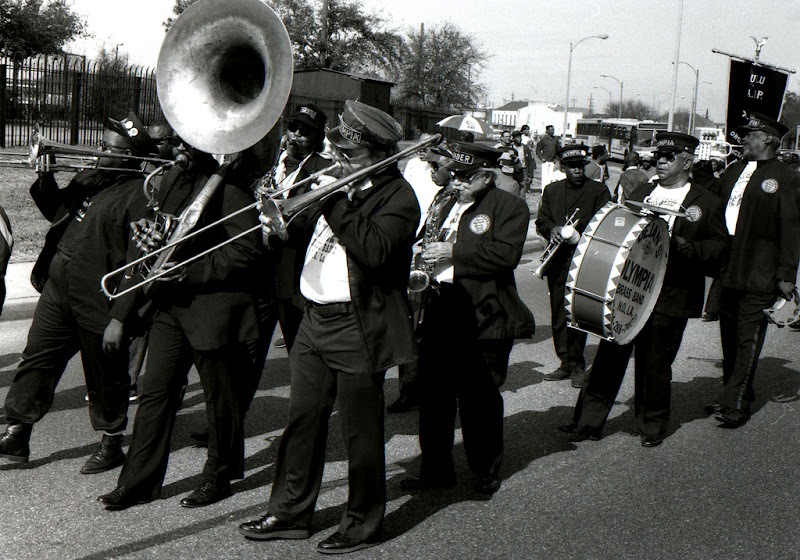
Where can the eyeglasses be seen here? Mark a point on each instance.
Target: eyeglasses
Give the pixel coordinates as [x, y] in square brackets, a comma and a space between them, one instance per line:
[298, 128]
[669, 156]
[464, 176]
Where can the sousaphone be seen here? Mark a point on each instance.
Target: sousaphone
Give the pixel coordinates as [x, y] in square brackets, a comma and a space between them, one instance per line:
[224, 74]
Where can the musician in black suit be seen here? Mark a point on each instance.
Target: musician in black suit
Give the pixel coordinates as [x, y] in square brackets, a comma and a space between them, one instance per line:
[698, 244]
[762, 215]
[301, 158]
[471, 319]
[585, 197]
[206, 315]
[88, 238]
[357, 323]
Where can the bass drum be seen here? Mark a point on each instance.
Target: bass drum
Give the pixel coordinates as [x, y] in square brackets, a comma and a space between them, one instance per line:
[616, 273]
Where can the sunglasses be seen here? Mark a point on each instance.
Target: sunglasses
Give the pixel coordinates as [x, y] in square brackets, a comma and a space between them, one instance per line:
[299, 128]
[464, 176]
[669, 156]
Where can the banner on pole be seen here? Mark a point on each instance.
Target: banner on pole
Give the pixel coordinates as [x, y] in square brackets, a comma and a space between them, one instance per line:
[752, 88]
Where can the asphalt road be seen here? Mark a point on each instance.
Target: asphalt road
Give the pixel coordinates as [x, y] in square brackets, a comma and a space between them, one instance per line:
[707, 492]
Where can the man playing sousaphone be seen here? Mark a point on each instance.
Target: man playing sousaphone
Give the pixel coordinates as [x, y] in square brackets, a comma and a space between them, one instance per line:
[698, 245]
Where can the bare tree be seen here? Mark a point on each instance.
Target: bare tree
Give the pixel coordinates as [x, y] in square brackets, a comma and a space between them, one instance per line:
[441, 68]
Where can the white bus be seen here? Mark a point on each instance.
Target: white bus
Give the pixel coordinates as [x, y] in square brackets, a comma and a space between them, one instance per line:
[619, 136]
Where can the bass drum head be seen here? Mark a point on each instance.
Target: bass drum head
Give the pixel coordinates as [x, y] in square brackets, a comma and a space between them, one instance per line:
[616, 273]
[638, 284]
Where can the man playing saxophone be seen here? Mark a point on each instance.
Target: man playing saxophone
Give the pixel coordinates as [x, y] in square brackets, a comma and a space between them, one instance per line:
[582, 197]
[471, 322]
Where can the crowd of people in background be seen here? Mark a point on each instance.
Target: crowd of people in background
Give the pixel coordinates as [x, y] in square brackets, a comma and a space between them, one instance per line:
[456, 219]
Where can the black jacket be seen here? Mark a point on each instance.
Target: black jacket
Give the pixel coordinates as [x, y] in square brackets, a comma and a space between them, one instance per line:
[683, 290]
[766, 247]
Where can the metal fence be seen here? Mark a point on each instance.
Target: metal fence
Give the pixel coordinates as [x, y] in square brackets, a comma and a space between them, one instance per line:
[70, 98]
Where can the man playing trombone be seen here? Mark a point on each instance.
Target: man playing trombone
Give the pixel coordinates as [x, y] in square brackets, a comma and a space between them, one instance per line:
[580, 198]
[357, 323]
[89, 233]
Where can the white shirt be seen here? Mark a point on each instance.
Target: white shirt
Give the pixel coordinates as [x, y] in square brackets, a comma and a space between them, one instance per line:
[444, 272]
[735, 201]
[671, 199]
[325, 277]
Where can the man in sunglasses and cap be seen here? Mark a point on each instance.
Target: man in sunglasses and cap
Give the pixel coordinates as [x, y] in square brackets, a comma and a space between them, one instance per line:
[88, 238]
[698, 244]
[560, 199]
[762, 215]
[471, 320]
[357, 324]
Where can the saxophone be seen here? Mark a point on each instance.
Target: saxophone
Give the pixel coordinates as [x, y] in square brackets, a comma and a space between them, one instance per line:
[420, 278]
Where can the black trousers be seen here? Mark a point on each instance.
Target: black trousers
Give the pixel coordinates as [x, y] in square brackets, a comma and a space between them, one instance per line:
[459, 373]
[226, 376]
[655, 349]
[742, 326]
[329, 362]
[712, 300]
[53, 339]
[569, 343]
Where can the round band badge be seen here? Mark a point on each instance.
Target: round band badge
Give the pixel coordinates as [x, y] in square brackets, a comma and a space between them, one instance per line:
[694, 213]
[769, 186]
[480, 224]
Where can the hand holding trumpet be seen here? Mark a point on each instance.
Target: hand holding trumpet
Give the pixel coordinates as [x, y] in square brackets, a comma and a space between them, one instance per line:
[566, 233]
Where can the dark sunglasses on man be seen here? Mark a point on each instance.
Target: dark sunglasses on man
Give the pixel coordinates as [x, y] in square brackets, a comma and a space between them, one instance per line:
[300, 128]
[669, 156]
[464, 176]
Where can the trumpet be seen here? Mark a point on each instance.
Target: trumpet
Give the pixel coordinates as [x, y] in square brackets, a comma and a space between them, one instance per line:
[567, 231]
[710, 149]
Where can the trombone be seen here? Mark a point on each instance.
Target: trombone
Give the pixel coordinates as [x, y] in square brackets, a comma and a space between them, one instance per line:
[278, 211]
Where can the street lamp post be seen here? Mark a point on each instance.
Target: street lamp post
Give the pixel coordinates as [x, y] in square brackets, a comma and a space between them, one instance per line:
[569, 72]
[620, 91]
[694, 102]
[608, 91]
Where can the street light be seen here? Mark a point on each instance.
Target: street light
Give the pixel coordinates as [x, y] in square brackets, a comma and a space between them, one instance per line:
[569, 72]
[608, 91]
[620, 91]
[694, 103]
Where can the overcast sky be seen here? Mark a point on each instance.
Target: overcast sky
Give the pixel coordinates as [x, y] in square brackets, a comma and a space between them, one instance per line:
[528, 42]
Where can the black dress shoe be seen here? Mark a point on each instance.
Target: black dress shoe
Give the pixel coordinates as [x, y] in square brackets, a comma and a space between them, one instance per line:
[403, 404]
[710, 317]
[337, 543]
[270, 527]
[713, 408]
[207, 494]
[200, 438]
[732, 418]
[558, 375]
[652, 440]
[582, 432]
[487, 484]
[121, 498]
[425, 482]
[14, 442]
[108, 456]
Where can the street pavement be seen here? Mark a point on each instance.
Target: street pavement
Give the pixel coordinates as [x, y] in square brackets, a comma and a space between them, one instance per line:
[707, 492]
